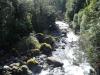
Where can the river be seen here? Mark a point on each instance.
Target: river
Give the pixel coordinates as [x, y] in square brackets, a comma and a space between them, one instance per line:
[68, 52]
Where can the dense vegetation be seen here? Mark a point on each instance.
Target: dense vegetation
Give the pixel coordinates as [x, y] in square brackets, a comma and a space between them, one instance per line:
[18, 18]
[24, 25]
[85, 17]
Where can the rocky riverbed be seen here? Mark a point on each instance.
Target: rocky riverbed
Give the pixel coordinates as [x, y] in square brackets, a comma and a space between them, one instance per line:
[66, 59]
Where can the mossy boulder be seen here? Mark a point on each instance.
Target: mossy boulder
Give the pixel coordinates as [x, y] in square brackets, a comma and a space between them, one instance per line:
[49, 40]
[28, 43]
[35, 52]
[25, 70]
[16, 69]
[32, 62]
[32, 42]
[40, 37]
[46, 48]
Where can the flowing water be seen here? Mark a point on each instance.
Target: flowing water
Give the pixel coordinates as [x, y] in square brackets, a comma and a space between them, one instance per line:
[74, 60]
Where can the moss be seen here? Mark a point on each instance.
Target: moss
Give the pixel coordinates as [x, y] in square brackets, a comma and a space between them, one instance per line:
[32, 42]
[49, 40]
[45, 45]
[27, 43]
[46, 48]
[32, 61]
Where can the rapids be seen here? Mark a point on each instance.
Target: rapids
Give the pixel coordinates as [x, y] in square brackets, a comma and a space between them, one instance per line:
[74, 60]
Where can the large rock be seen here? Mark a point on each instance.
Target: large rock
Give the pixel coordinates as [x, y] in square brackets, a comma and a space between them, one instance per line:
[33, 52]
[15, 64]
[46, 49]
[16, 69]
[49, 40]
[31, 62]
[25, 70]
[6, 67]
[27, 43]
[54, 61]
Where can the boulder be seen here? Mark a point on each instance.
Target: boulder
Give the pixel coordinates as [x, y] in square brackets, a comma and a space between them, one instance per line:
[16, 69]
[49, 40]
[15, 64]
[46, 48]
[32, 62]
[35, 52]
[24, 68]
[54, 61]
[6, 67]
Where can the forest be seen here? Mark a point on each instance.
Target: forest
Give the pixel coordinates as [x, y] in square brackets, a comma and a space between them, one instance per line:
[37, 37]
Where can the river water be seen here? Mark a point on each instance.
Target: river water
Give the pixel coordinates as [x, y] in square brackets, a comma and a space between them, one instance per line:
[74, 60]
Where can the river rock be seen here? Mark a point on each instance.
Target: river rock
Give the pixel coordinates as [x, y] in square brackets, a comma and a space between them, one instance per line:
[24, 67]
[6, 67]
[49, 40]
[54, 61]
[33, 52]
[46, 49]
[15, 64]
[17, 70]
[31, 62]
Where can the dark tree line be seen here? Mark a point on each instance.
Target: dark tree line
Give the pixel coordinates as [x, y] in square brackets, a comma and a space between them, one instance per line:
[20, 17]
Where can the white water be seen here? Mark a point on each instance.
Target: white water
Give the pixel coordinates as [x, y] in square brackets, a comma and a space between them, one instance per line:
[74, 60]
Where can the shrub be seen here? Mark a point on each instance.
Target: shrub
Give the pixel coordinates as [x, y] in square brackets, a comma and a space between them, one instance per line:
[76, 26]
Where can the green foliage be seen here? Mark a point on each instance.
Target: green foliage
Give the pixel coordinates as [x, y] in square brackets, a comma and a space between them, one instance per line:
[75, 23]
[73, 7]
[43, 15]
[90, 29]
[20, 17]
[14, 22]
[85, 15]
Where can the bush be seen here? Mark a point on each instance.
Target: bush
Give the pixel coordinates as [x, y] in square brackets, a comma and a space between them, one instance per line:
[14, 23]
[76, 26]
